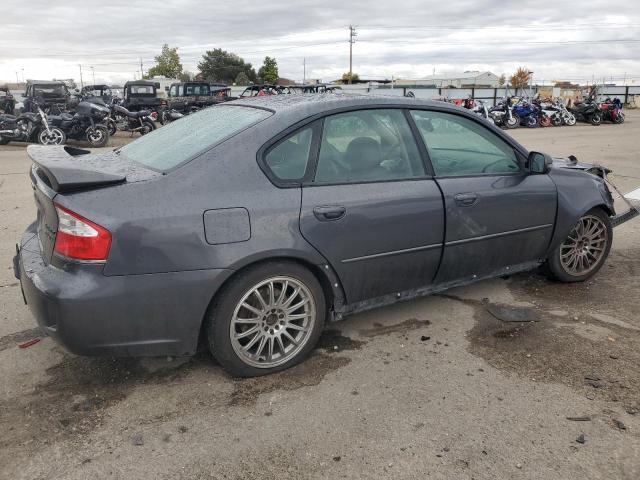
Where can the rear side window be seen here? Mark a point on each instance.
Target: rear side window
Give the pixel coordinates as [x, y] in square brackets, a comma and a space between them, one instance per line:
[367, 146]
[288, 159]
[177, 142]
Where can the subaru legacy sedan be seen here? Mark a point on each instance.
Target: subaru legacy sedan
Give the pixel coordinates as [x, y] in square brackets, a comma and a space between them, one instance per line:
[252, 224]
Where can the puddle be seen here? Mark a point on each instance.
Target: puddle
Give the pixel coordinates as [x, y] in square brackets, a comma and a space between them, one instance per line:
[379, 329]
[308, 373]
[333, 341]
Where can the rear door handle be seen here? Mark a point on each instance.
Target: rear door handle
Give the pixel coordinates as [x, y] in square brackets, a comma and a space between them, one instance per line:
[329, 212]
[466, 199]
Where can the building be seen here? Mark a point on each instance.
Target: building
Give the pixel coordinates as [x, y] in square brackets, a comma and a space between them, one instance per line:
[466, 79]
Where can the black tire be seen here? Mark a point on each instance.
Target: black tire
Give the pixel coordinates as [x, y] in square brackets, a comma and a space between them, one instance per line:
[148, 127]
[218, 322]
[555, 265]
[595, 118]
[111, 126]
[97, 136]
[4, 140]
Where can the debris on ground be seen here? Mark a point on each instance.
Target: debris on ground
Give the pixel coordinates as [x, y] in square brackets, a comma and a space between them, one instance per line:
[512, 314]
[618, 424]
[29, 343]
[424, 338]
[137, 439]
[581, 439]
[579, 419]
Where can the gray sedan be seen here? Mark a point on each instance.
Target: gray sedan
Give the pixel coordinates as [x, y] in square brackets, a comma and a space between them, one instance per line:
[254, 223]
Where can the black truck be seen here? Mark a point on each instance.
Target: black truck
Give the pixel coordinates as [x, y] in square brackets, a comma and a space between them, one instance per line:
[141, 95]
[186, 97]
[46, 94]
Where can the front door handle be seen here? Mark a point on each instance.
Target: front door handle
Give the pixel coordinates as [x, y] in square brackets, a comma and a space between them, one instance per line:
[466, 199]
[329, 212]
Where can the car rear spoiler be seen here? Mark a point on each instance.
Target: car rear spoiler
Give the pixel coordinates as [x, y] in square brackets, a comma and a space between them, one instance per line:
[632, 199]
[63, 169]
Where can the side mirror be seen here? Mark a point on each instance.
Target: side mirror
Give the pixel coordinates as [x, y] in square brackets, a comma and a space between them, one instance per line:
[539, 162]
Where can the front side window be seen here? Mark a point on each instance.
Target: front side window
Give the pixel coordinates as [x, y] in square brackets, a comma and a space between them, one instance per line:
[367, 146]
[177, 142]
[197, 90]
[288, 159]
[459, 146]
[173, 91]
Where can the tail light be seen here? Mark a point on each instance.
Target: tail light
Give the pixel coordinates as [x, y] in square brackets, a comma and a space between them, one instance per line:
[79, 238]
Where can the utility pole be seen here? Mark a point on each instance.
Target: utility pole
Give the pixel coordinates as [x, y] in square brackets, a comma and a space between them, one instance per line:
[93, 73]
[17, 81]
[81, 82]
[304, 71]
[141, 74]
[352, 40]
[23, 75]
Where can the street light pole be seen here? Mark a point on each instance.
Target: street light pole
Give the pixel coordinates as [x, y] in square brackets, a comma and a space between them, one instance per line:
[93, 73]
[352, 39]
[81, 82]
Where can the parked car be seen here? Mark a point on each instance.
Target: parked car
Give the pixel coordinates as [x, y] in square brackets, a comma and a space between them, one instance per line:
[7, 101]
[141, 95]
[97, 91]
[264, 220]
[185, 96]
[45, 94]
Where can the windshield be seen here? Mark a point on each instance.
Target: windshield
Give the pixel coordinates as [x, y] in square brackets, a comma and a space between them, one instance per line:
[141, 90]
[196, 89]
[50, 90]
[178, 142]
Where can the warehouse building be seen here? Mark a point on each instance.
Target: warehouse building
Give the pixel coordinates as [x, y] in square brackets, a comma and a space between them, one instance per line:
[466, 79]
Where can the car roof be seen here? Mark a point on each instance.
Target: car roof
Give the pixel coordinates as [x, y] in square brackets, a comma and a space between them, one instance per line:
[306, 105]
[46, 82]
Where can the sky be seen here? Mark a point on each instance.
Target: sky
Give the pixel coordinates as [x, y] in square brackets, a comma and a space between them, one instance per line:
[575, 41]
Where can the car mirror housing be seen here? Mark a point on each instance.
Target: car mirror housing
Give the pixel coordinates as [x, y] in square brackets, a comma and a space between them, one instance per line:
[539, 162]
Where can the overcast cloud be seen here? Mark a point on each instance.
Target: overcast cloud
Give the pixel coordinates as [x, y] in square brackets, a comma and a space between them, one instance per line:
[557, 40]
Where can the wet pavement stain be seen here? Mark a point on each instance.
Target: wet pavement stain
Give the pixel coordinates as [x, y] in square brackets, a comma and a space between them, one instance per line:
[409, 324]
[309, 373]
[12, 340]
[334, 341]
[73, 399]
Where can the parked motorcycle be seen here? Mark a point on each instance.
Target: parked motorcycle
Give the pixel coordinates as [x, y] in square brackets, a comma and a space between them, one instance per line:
[589, 111]
[128, 121]
[612, 111]
[87, 123]
[503, 116]
[169, 115]
[527, 114]
[30, 127]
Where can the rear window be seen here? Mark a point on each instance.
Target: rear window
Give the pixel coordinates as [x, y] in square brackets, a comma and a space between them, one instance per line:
[179, 141]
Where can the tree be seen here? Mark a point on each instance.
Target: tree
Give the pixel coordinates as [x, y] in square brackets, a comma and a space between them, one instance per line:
[354, 77]
[220, 66]
[502, 79]
[269, 70]
[185, 76]
[520, 79]
[167, 63]
[242, 79]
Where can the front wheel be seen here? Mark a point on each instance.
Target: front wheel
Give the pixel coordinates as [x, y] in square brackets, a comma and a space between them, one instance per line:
[595, 119]
[147, 127]
[585, 250]
[53, 136]
[513, 121]
[619, 118]
[267, 319]
[570, 119]
[111, 126]
[98, 136]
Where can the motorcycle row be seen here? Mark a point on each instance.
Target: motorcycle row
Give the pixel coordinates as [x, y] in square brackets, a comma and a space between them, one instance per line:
[513, 112]
[91, 120]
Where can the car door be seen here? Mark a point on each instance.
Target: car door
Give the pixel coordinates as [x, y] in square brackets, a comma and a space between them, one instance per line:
[498, 215]
[370, 208]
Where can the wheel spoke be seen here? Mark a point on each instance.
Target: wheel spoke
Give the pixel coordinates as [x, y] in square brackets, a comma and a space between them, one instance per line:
[283, 293]
[293, 326]
[253, 342]
[272, 295]
[297, 316]
[264, 305]
[298, 305]
[252, 309]
[270, 349]
[251, 331]
[289, 337]
[293, 296]
[263, 342]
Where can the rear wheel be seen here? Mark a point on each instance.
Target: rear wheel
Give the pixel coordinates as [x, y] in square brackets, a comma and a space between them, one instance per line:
[596, 118]
[267, 319]
[619, 118]
[111, 126]
[584, 251]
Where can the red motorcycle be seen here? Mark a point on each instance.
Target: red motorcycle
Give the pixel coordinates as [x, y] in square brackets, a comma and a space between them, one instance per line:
[612, 110]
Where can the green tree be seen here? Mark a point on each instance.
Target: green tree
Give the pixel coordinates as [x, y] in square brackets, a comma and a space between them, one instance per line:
[167, 63]
[269, 70]
[354, 77]
[185, 76]
[220, 66]
[242, 79]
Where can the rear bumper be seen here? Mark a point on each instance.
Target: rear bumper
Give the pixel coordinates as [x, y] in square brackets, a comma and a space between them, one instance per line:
[135, 315]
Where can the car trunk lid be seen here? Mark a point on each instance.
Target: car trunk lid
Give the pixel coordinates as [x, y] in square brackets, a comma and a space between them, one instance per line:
[59, 172]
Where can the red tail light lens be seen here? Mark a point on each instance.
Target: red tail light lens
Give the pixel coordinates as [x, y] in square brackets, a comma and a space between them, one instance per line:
[79, 238]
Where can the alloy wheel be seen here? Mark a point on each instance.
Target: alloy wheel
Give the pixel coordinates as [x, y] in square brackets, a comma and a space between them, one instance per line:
[52, 137]
[585, 246]
[272, 322]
